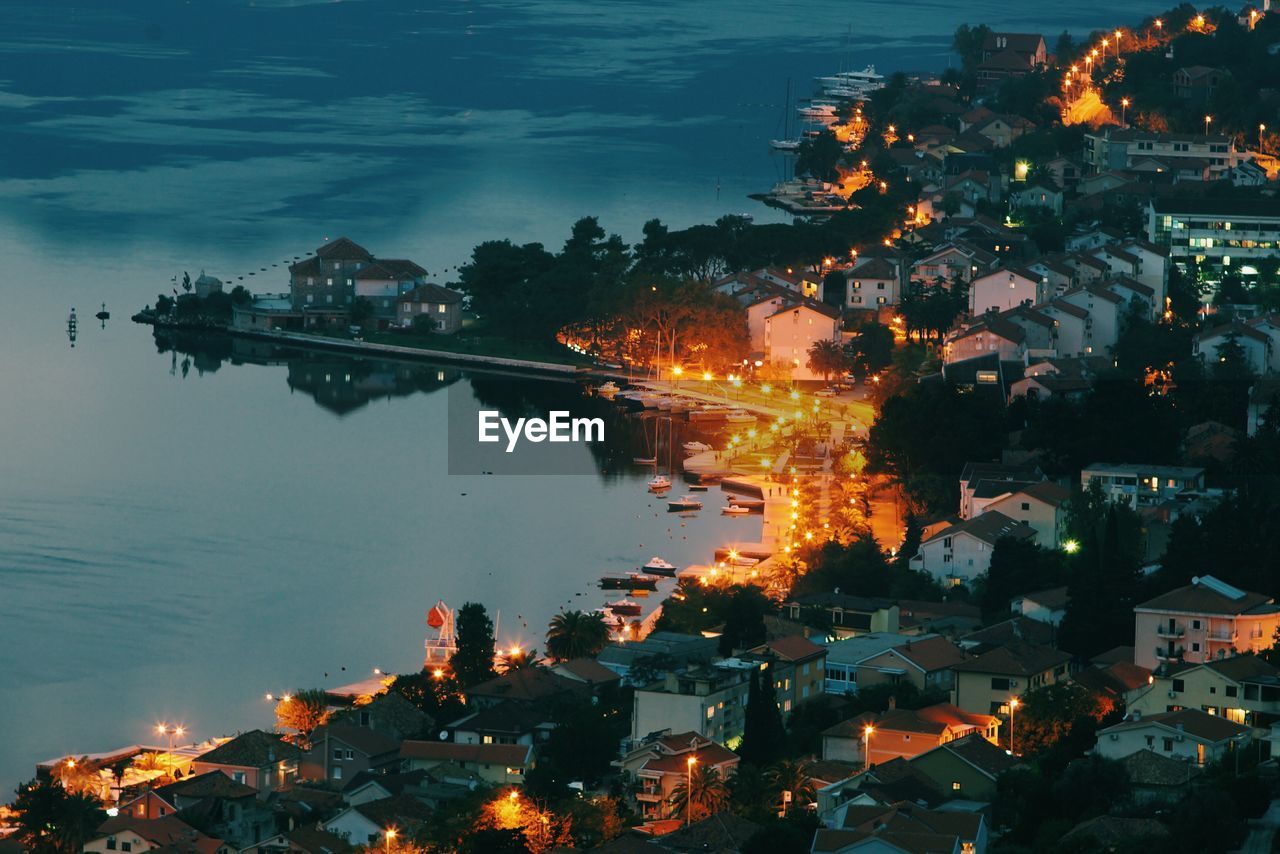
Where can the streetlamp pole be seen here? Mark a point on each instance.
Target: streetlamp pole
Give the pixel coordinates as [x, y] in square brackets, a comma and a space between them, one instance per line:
[866, 746]
[388, 835]
[1013, 705]
[688, 791]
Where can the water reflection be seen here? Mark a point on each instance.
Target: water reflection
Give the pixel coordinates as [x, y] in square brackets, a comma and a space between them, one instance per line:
[343, 385]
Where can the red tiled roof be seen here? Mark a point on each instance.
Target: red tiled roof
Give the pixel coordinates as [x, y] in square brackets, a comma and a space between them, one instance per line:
[343, 249]
[796, 648]
[167, 831]
[711, 754]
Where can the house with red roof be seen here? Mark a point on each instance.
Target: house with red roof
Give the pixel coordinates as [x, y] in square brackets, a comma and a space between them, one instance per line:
[904, 733]
[139, 835]
[1205, 620]
[660, 764]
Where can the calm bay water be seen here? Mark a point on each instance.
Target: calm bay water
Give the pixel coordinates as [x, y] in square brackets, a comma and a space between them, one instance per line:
[173, 547]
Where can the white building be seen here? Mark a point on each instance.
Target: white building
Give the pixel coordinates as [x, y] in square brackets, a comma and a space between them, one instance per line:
[792, 330]
[1005, 289]
[1188, 734]
[1217, 232]
[1142, 484]
[961, 552]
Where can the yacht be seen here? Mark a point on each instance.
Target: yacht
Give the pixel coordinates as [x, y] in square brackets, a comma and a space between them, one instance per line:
[784, 144]
[735, 510]
[687, 502]
[659, 483]
[696, 447]
[739, 416]
[625, 608]
[658, 566]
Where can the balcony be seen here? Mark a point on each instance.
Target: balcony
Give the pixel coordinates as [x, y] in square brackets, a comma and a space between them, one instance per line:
[649, 796]
[1167, 631]
[1163, 654]
[1222, 636]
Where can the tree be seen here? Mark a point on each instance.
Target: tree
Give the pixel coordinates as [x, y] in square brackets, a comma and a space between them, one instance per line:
[703, 789]
[473, 661]
[303, 711]
[763, 736]
[968, 42]
[744, 620]
[826, 358]
[819, 157]
[911, 539]
[574, 634]
[750, 791]
[80, 776]
[1047, 715]
[186, 282]
[51, 819]
[793, 777]
[518, 658]
[1018, 565]
[361, 310]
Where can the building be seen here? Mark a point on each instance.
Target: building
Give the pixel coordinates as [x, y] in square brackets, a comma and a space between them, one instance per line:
[527, 685]
[339, 752]
[1046, 606]
[993, 334]
[844, 656]
[497, 764]
[1041, 506]
[1116, 148]
[323, 286]
[800, 668]
[1038, 194]
[660, 765]
[708, 700]
[1190, 735]
[903, 826]
[1260, 350]
[384, 283]
[903, 733]
[790, 332]
[1010, 55]
[126, 833]
[951, 262]
[1219, 233]
[960, 552]
[258, 759]
[924, 662]
[1005, 289]
[873, 282]
[982, 483]
[1243, 689]
[1141, 485]
[366, 824]
[634, 661]
[1206, 620]
[1198, 83]
[965, 768]
[847, 616]
[986, 683]
[441, 308]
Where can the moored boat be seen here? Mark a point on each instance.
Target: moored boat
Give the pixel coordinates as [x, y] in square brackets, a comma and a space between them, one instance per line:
[735, 510]
[686, 502]
[659, 483]
[658, 566]
[625, 608]
[608, 389]
[696, 447]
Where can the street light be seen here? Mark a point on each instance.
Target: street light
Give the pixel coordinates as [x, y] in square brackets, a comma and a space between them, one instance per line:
[170, 730]
[688, 791]
[866, 746]
[1013, 704]
[389, 834]
[1207, 120]
[1124, 107]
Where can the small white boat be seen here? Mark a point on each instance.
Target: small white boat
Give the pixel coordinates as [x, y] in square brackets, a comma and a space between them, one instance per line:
[607, 390]
[625, 608]
[739, 416]
[784, 144]
[735, 510]
[658, 566]
[696, 447]
[686, 502]
[699, 487]
[659, 483]
[749, 503]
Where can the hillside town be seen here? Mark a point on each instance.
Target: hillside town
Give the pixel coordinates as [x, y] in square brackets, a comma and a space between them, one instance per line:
[1012, 379]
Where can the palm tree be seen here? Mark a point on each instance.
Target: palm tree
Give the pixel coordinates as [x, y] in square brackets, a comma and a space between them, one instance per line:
[79, 776]
[827, 358]
[794, 776]
[708, 793]
[517, 659]
[749, 789]
[573, 634]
